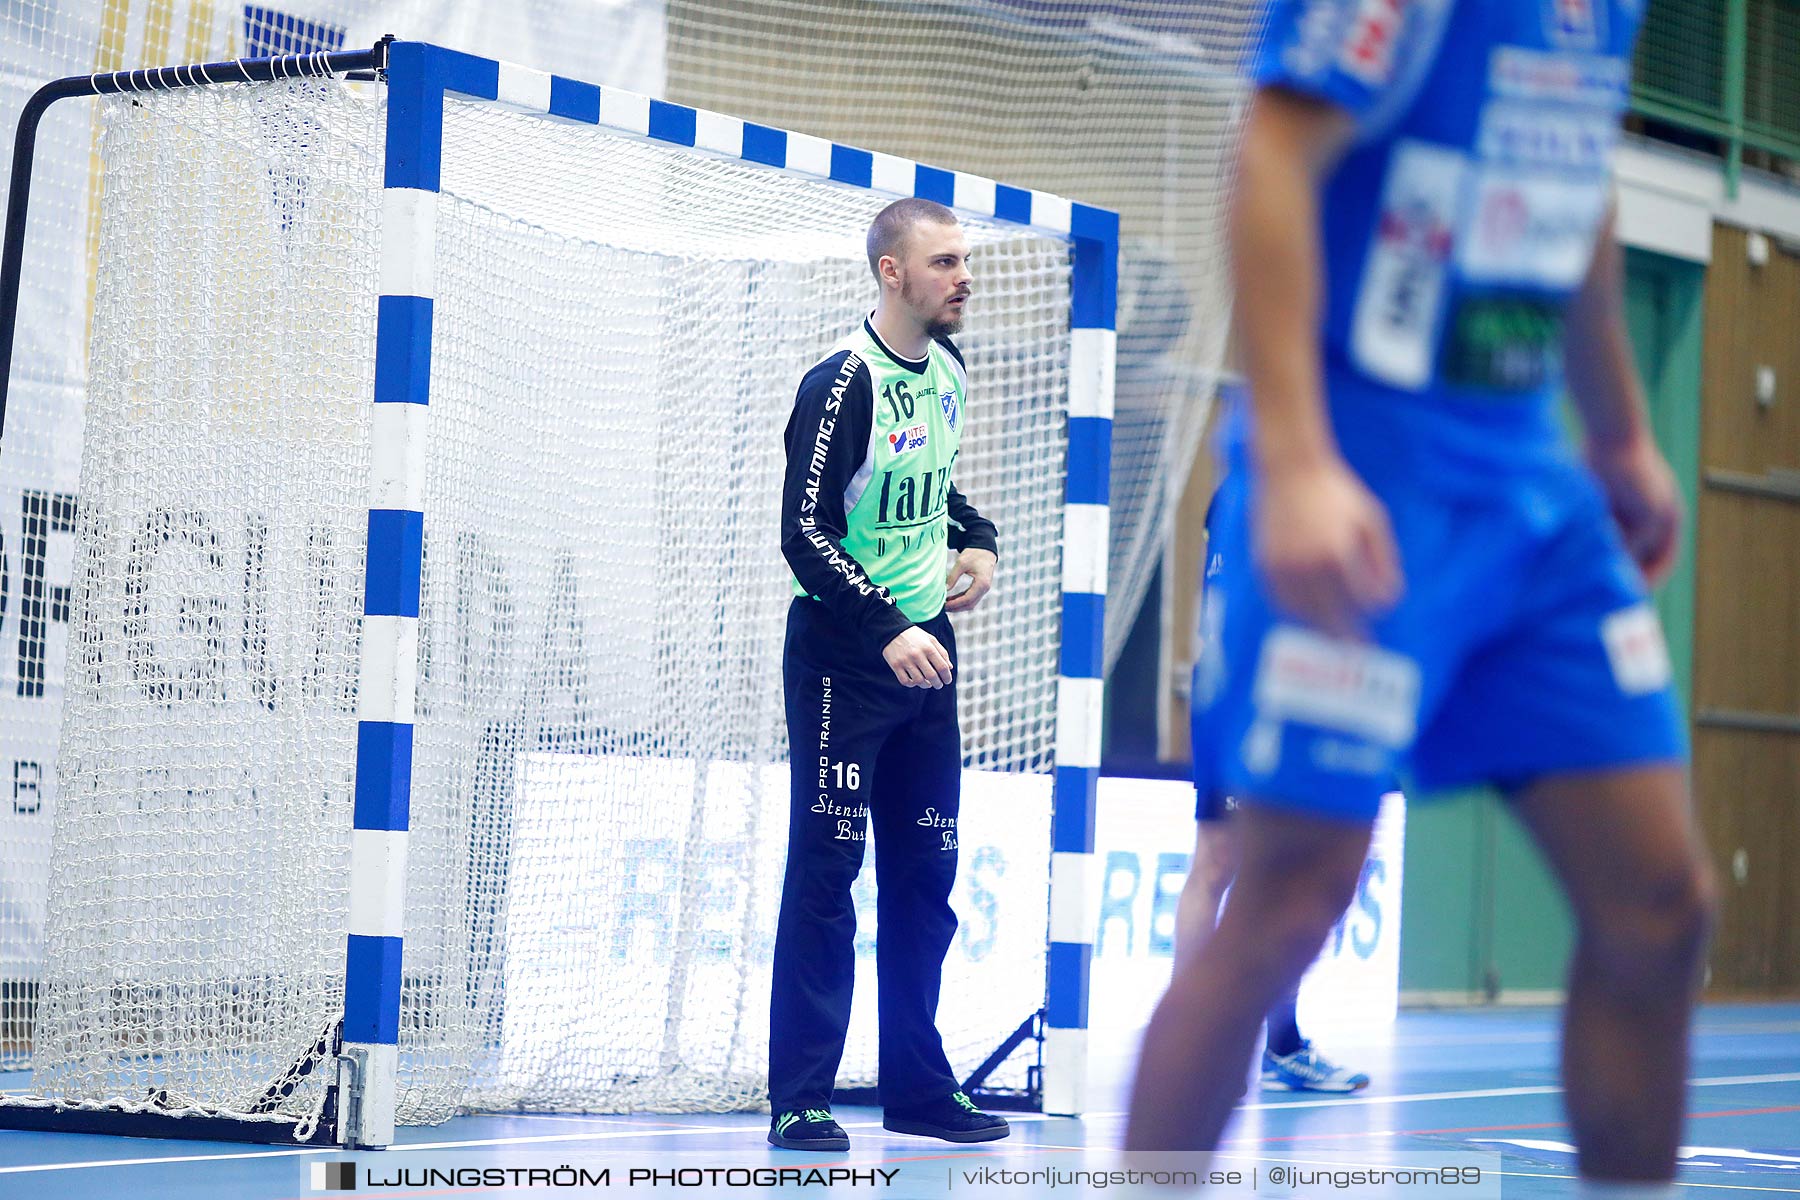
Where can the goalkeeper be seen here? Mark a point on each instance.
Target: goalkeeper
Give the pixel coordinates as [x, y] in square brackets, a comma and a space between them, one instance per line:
[869, 516]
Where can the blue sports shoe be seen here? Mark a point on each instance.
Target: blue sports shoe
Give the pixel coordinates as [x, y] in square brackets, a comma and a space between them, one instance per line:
[1306, 1070]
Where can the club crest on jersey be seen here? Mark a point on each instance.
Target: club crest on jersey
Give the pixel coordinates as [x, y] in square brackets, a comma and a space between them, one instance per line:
[905, 441]
[948, 401]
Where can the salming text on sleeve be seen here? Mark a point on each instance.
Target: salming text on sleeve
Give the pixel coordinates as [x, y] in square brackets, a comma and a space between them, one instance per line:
[869, 513]
[827, 451]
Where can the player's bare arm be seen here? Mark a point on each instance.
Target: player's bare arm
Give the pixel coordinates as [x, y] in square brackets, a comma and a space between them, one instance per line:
[1322, 537]
[1621, 448]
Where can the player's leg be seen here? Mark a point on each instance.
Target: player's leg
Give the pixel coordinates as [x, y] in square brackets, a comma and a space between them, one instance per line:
[1642, 910]
[915, 806]
[838, 721]
[1297, 873]
[1210, 873]
[1574, 697]
[917, 802]
[1306, 730]
[1289, 1062]
[1283, 1021]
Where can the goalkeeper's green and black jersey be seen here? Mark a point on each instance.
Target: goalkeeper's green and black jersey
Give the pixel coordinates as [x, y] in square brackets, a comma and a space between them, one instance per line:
[868, 507]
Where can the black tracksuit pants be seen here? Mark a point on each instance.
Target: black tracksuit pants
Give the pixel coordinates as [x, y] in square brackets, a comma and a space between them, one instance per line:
[863, 748]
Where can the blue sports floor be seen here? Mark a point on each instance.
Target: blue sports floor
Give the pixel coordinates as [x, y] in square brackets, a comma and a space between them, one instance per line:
[1480, 1080]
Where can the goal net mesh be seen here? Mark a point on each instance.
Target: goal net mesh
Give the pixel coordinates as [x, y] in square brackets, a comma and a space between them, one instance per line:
[599, 805]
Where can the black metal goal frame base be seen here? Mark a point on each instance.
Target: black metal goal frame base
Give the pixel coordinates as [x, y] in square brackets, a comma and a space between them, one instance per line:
[118, 1122]
[160, 1119]
[1030, 1098]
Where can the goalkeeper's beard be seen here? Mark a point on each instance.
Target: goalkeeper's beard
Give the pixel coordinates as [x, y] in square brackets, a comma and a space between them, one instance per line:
[935, 327]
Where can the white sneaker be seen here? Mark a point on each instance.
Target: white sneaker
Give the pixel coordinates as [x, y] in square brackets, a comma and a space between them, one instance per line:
[1306, 1070]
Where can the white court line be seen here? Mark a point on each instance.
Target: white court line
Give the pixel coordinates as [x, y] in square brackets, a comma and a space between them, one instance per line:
[590, 1118]
[1308, 1162]
[1729, 1080]
[1482, 1094]
[1526, 1038]
[618, 1135]
[609, 1135]
[1682, 1183]
[1552, 1035]
[747, 1127]
[179, 1158]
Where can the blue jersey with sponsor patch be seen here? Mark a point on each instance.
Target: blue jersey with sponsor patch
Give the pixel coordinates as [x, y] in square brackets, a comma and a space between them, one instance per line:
[1463, 216]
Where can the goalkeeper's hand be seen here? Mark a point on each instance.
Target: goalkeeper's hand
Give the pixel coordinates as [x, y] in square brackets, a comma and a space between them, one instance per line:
[918, 659]
[979, 566]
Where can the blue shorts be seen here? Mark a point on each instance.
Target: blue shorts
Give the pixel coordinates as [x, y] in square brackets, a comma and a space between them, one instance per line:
[1210, 804]
[1524, 645]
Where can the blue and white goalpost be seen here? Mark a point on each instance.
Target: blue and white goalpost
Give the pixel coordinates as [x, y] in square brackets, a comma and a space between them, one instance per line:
[423, 746]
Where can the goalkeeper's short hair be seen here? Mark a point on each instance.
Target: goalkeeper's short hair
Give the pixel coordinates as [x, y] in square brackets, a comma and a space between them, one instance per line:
[889, 230]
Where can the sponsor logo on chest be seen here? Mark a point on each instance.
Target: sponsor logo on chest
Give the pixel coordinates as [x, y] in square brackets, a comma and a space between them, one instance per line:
[1530, 228]
[905, 441]
[1576, 24]
[1547, 135]
[1585, 80]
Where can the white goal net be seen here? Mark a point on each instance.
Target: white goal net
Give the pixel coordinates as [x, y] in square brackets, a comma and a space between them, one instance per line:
[1127, 104]
[598, 806]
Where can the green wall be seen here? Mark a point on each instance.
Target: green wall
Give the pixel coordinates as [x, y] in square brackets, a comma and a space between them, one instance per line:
[1662, 306]
[1480, 914]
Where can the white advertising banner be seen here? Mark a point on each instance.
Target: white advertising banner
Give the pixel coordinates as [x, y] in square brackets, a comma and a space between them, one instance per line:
[572, 909]
[1144, 841]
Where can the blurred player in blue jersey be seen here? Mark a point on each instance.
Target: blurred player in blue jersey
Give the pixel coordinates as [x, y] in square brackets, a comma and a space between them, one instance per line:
[1423, 242]
[1290, 1062]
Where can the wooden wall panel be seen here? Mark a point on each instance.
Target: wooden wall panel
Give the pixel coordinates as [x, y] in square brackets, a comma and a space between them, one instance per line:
[1750, 810]
[1747, 653]
[1752, 320]
[1747, 616]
